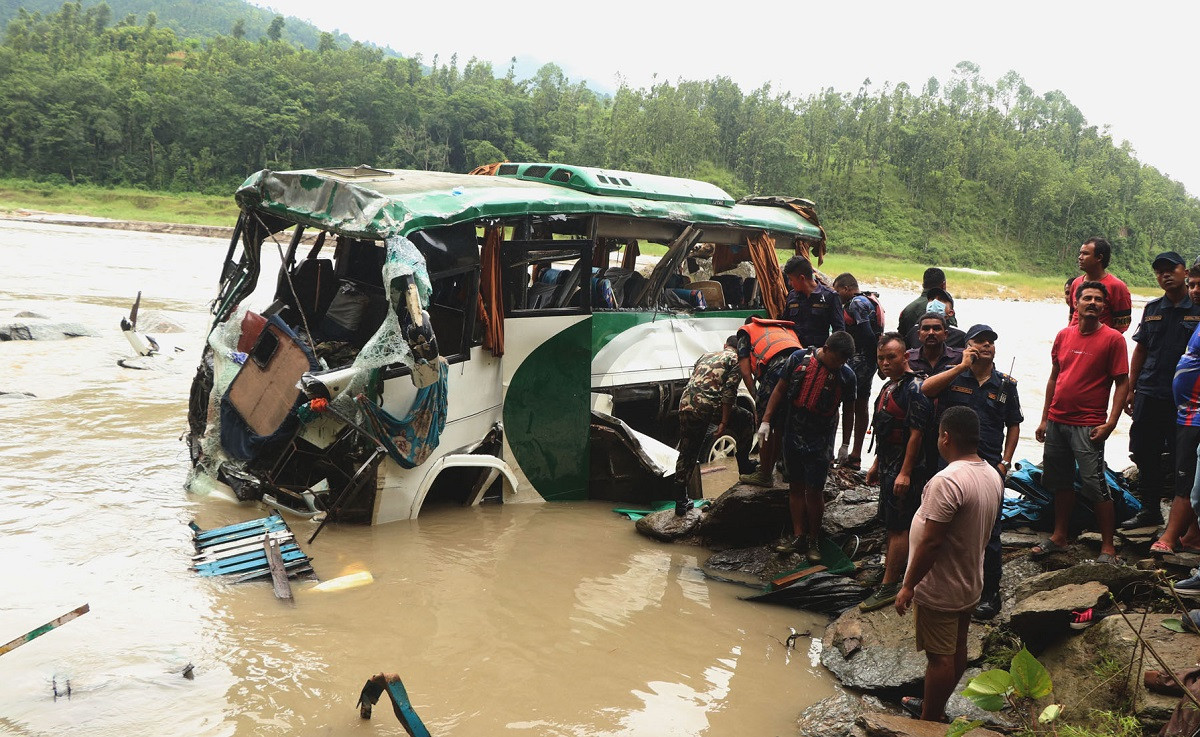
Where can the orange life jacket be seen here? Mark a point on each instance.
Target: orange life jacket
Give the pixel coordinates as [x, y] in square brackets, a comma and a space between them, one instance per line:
[767, 339]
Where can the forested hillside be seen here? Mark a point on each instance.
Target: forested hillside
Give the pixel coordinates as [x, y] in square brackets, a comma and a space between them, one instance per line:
[200, 19]
[969, 172]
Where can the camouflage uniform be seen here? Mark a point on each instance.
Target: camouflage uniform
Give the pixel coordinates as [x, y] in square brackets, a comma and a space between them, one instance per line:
[714, 381]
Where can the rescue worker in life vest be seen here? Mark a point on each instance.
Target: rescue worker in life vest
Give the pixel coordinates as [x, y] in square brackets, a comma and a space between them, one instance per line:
[903, 419]
[763, 347]
[974, 382]
[814, 383]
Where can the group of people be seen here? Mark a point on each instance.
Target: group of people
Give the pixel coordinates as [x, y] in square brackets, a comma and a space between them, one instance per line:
[946, 424]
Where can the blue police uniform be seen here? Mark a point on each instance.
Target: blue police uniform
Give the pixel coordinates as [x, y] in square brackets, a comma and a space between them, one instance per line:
[815, 315]
[996, 403]
[919, 366]
[1163, 334]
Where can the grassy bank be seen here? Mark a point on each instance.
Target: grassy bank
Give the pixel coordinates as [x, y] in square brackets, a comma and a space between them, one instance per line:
[117, 204]
[887, 272]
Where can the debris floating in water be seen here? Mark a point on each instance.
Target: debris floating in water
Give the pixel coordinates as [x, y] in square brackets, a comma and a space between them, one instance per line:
[240, 550]
[39, 631]
[349, 581]
[390, 682]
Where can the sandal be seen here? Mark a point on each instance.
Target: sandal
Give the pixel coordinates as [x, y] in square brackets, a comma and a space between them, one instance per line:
[1158, 546]
[1044, 548]
[852, 463]
[1108, 558]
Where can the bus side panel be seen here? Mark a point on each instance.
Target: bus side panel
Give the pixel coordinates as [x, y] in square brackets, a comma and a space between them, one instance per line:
[546, 405]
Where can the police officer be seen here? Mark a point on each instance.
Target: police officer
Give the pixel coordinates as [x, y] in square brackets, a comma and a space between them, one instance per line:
[974, 382]
[815, 309]
[932, 356]
[1161, 338]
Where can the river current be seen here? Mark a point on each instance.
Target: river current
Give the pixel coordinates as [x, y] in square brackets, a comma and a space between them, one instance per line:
[519, 619]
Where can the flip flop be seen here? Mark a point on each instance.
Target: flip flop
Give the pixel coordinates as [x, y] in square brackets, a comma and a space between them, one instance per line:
[1106, 558]
[1158, 546]
[853, 463]
[1044, 548]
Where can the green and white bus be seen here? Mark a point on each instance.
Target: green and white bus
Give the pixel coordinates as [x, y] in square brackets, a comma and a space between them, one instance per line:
[505, 314]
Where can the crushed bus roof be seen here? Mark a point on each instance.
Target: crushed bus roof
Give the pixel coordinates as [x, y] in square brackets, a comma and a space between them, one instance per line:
[398, 202]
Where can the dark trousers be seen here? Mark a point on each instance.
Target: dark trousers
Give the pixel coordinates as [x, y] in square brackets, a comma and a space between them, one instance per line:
[992, 561]
[693, 429]
[1152, 434]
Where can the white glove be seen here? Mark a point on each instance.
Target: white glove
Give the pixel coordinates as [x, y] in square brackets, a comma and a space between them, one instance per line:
[763, 430]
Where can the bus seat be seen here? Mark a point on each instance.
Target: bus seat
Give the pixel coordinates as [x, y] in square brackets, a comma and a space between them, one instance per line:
[731, 287]
[604, 298]
[315, 283]
[714, 294]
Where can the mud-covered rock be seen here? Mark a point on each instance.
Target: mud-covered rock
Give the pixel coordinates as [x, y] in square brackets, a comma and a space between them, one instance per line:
[890, 725]
[877, 651]
[745, 516]
[1047, 614]
[1115, 577]
[39, 328]
[759, 561]
[1091, 670]
[832, 717]
[845, 519]
[666, 526]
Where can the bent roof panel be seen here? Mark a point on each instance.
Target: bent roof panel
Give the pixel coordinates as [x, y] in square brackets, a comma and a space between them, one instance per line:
[405, 201]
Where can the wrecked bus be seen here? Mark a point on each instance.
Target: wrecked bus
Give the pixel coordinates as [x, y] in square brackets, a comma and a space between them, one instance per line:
[456, 337]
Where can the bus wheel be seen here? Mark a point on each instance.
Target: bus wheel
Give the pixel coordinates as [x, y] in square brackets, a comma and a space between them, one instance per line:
[722, 447]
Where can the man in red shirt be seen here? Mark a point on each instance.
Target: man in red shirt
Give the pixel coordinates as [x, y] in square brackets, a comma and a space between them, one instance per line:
[1094, 256]
[1087, 360]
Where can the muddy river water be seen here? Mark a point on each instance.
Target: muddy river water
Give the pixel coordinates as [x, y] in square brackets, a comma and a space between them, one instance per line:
[530, 619]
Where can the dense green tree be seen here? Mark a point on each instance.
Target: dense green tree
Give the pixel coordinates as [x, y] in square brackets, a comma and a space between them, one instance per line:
[967, 172]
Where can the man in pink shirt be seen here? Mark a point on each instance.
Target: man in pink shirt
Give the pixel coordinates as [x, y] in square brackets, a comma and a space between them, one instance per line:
[1094, 256]
[1087, 360]
[945, 566]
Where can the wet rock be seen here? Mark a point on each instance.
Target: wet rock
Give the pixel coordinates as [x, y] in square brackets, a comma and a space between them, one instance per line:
[1115, 577]
[757, 560]
[832, 717]
[846, 519]
[745, 516]
[1019, 539]
[1183, 560]
[39, 328]
[877, 651]
[665, 526]
[1092, 669]
[155, 323]
[1047, 614]
[889, 725]
[859, 495]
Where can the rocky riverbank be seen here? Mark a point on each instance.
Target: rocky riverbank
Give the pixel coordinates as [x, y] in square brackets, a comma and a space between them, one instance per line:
[873, 655]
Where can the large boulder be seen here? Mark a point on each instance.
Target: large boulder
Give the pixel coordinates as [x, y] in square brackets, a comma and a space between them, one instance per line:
[889, 725]
[877, 651]
[844, 517]
[27, 326]
[1092, 669]
[665, 526]
[832, 717]
[1047, 614]
[1115, 577]
[745, 516]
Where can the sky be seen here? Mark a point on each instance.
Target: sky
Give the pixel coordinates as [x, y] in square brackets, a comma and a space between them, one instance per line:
[1124, 65]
